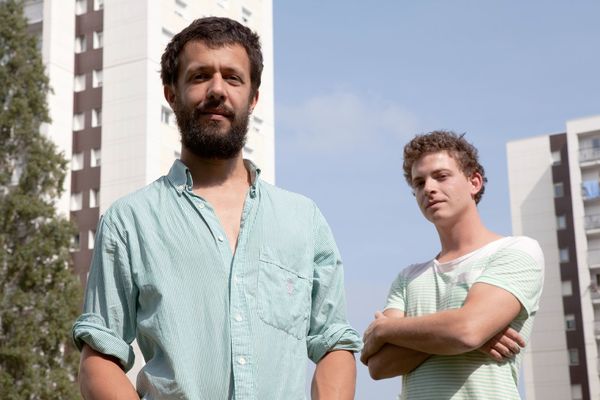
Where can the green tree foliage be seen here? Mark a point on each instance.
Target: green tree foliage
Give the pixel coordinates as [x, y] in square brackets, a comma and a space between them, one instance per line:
[39, 294]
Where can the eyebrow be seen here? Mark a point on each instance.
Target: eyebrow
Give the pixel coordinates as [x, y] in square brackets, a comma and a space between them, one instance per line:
[435, 171]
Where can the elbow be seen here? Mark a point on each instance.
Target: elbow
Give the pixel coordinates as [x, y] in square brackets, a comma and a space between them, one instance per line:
[469, 337]
[379, 370]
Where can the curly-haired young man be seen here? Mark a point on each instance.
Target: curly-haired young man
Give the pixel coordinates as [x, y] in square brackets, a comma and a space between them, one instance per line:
[454, 325]
[228, 283]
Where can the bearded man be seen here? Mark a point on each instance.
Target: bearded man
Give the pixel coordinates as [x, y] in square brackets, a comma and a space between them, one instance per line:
[226, 282]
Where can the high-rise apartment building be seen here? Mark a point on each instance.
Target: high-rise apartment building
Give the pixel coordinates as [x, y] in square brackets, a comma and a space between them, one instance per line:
[108, 113]
[555, 198]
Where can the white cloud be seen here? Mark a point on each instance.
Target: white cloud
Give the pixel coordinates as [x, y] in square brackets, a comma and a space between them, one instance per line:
[342, 120]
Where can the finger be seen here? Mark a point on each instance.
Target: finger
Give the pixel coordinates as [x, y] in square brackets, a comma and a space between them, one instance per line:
[503, 350]
[515, 336]
[495, 355]
[379, 314]
[510, 344]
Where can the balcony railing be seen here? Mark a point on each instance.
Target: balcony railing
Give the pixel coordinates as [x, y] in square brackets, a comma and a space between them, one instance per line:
[589, 154]
[592, 221]
[593, 257]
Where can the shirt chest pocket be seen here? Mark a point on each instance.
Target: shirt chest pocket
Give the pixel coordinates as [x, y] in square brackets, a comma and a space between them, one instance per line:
[283, 295]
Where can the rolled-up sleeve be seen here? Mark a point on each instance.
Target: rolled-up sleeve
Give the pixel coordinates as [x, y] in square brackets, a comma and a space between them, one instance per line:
[329, 329]
[107, 323]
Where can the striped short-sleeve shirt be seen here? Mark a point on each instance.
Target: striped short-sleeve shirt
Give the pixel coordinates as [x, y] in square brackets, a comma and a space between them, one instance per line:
[515, 264]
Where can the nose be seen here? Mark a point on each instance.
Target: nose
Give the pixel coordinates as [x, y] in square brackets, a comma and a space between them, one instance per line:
[216, 89]
[429, 186]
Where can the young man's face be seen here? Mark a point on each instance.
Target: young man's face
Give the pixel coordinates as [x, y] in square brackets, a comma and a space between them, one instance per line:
[212, 100]
[442, 190]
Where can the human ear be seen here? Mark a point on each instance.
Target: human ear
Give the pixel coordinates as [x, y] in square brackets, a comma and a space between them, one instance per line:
[476, 181]
[169, 93]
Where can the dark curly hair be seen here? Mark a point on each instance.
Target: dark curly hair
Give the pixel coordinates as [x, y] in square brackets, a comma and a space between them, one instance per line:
[214, 32]
[462, 151]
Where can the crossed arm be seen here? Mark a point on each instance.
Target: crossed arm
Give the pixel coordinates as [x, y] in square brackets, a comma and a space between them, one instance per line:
[395, 345]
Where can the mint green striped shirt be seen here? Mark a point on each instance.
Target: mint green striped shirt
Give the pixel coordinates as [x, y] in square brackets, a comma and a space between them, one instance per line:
[515, 264]
[211, 324]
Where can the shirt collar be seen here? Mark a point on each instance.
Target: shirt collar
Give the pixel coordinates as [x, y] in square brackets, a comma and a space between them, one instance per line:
[181, 178]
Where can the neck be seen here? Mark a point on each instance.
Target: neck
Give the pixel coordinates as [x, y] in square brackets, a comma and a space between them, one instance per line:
[463, 236]
[210, 172]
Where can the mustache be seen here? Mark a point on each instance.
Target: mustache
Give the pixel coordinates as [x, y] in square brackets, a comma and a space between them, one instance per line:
[214, 106]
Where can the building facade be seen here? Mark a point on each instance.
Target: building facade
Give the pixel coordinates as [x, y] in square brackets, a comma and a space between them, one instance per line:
[109, 116]
[554, 185]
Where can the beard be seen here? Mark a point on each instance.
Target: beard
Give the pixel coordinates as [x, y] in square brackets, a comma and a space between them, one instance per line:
[205, 138]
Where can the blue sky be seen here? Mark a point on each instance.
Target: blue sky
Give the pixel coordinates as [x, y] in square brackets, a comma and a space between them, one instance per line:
[353, 83]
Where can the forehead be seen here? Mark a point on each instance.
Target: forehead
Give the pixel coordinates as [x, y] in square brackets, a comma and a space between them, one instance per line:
[433, 162]
[196, 54]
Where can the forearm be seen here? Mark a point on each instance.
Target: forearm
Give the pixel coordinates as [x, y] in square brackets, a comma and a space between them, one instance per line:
[447, 332]
[335, 377]
[100, 378]
[393, 361]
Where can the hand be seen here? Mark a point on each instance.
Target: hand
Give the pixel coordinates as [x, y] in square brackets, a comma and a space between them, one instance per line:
[372, 338]
[506, 344]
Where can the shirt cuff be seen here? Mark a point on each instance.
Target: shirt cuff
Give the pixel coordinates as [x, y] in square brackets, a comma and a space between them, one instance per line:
[336, 337]
[92, 330]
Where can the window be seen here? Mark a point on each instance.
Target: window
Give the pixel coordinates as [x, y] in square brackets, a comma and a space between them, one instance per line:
[563, 255]
[576, 392]
[34, 11]
[556, 158]
[76, 201]
[97, 78]
[573, 357]
[561, 222]
[95, 158]
[256, 124]
[166, 115]
[79, 83]
[166, 36]
[247, 151]
[570, 324]
[246, 14]
[181, 8]
[77, 162]
[98, 5]
[91, 239]
[80, 7]
[98, 40]
[80, 44]
[559, 190]
[75, 242]
[94, 198]
[96, 117]
[566, 288]
[78, 122]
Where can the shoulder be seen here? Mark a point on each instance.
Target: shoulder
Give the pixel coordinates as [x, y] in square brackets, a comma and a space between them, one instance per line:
[522, 246]
[136, 204]
[286, 200]
[413, 271]
[278, 193]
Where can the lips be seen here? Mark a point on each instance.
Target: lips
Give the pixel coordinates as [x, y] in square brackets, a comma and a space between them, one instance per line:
[217, 111]
[433, 203]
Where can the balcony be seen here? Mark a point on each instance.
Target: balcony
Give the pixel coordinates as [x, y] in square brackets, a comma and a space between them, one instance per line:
[592, 223]
[589, 154]
[590, 190]
[593, 258]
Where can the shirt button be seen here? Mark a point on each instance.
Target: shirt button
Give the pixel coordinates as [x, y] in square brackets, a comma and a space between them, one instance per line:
[201, 205]
[241, 361]
[238, 318]
[220, 238]
[235, 279]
